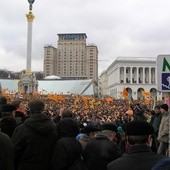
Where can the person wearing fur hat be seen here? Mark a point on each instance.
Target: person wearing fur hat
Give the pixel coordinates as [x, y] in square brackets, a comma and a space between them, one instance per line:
[163, 133]
[139, 156]
[8, 122]
[103, 149]
[34, 140]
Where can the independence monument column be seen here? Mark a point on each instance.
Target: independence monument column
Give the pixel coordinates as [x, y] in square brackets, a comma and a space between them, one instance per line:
[28, 82]
[30, 18]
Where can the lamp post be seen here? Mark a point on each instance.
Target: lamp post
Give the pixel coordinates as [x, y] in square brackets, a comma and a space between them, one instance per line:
[30, 2]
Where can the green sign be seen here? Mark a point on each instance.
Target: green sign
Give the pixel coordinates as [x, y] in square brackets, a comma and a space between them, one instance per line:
[165, 65]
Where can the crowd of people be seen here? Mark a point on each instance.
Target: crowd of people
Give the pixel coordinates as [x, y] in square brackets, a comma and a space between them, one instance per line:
[78, 132]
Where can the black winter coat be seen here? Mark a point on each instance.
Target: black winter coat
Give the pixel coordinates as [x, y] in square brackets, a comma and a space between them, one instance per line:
[33, 143]
[99, 152]
[6, 153]
[8, 125]
[67, 150]
[138, 158]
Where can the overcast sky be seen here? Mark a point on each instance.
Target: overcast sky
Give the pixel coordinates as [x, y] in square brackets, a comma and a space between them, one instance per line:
[130, 28]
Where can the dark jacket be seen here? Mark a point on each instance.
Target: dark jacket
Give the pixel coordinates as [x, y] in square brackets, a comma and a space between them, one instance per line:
[8, 125]
[139, 157]
[6, 153]
[67, 150]
[33, 143]
[155, 122]
[99, 152]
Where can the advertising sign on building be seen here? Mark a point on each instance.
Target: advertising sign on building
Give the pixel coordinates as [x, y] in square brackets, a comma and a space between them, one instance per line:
[163, 73]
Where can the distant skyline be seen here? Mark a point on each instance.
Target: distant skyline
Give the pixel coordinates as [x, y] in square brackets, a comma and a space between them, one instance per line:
[129, 28]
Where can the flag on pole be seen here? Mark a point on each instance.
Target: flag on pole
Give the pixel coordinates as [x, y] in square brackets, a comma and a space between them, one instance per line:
[146, 94]
[125, 94]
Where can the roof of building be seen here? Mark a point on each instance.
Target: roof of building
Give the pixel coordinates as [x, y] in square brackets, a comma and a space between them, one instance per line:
[52, 77]
[135, 59]
[81, 87]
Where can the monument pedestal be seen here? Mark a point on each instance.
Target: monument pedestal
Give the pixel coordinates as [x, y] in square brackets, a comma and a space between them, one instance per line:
[28, 83]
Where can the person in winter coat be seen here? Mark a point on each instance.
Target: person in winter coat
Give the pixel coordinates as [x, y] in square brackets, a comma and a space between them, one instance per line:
[155, 122]
[67, 149]
[103, 149]
[163, 134]
[6, 152]
[34, 139]
[3, 100]
[8, 122]
[139, 156]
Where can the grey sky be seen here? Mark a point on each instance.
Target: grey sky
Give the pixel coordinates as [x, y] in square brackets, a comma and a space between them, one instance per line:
[132, 28]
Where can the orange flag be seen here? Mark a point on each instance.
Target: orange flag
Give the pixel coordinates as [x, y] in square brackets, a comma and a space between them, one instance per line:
[146, 94]
[61, 98]
[85, 99]
[108, 99]
[125, 93]
[147, 101]
[4, 92]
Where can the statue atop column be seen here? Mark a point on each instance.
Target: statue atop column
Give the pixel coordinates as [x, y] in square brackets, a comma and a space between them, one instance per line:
[30, 2]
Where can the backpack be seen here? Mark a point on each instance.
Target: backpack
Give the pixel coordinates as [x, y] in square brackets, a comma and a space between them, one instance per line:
[78, 164]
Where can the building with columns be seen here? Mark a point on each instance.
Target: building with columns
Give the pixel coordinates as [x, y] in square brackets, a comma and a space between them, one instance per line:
[133, 73]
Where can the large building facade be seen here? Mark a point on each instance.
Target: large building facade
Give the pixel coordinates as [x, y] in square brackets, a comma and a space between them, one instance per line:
[72, 59]
[135, 74]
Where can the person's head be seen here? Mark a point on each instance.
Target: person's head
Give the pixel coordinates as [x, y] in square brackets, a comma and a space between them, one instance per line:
[8, 110]
[36, 106]
[67, 113]
[16, 103]
[139, 133]
[83, 139]
[110, 130]
[68, 127]
[90, 130]
[164, 108]
[157, 108]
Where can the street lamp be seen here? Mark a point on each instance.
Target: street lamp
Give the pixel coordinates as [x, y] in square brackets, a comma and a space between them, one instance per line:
[30, 2]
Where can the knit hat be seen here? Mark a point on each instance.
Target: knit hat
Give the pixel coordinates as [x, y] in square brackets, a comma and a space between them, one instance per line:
[138, 128]
[83, 137]
[164, 106]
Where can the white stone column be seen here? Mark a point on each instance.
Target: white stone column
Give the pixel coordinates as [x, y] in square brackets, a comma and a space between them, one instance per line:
[137, 75]
[119, 74]
[143, 75]
[124, 74]
[30, 18]
[155, 77]
[149, 75]
[131, 75]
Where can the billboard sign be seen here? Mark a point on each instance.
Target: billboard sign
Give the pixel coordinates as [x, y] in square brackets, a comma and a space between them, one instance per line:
[163, 73]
